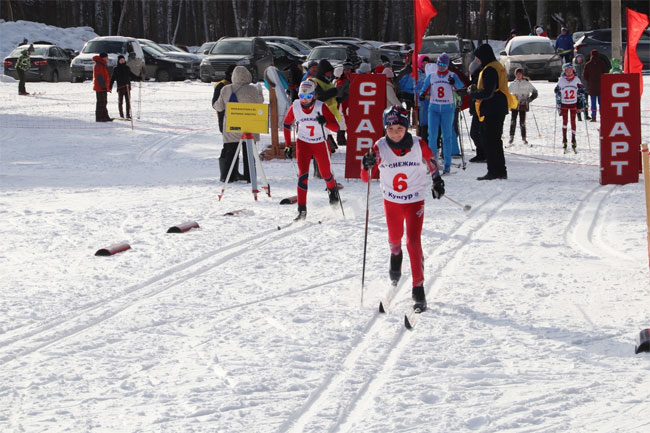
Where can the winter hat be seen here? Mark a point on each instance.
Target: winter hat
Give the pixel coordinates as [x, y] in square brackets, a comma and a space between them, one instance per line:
[485, 54]
[518, 70]
[307, 87]
[312, 64]
[348, 65]
[539, 31]
[396, 115]
[31, 48]
[229, 72]
[513, 31]
[103, 55]
[579, 58]
[379, 69]
[564, 29]
[443, 60]
[567, 66]
[338, 71]
[120, 57]
[422, 58]
[388, 72]
[364, 68]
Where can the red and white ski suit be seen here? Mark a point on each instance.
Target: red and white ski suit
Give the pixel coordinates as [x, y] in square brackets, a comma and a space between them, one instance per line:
[405, 181]
[310, 142]
[568, 88]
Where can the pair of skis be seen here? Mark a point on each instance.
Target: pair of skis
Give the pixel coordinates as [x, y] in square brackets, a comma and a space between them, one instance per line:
[410, 317]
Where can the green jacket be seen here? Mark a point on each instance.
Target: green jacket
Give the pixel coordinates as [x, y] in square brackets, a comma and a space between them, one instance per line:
[24, 62]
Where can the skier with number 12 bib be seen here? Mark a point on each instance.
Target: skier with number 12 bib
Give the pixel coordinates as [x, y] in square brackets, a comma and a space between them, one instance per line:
[312, 117]
[404, 164]
[569, 89]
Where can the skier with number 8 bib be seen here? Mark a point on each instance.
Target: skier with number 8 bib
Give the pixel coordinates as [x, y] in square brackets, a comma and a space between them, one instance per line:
[312, 117]
[569, 89]
[404, 163]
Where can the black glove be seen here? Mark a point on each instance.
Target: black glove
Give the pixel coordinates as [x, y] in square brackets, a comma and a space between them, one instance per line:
[423, 97]
[321, 119]
[557, 90]
[288, 151]
[581, 91]
[533, 96]
[369, 160]
[438, 188]
[451, 80]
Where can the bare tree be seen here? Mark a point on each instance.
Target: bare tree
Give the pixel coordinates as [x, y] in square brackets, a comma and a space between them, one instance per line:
[384, 21]
[178, 20]
[235, 10]
[122, 14]
[541, 17]
[99, 16]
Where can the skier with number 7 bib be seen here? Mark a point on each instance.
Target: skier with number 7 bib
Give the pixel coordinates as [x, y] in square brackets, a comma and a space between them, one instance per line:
[312, 117]
[404, 163]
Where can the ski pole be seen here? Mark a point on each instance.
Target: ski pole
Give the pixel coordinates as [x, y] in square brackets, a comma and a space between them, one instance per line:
[128, 101]
[587, 129]
[471, 144]
[327, 150]
[554, 128]
[465, 207]
[462, 152]
[365, 236]
[139, 98]
[539, 134]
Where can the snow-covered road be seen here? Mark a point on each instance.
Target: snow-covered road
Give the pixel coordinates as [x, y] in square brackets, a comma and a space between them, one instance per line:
[536, 295]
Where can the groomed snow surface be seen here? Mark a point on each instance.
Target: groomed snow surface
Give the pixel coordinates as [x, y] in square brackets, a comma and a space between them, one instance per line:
[536, 295]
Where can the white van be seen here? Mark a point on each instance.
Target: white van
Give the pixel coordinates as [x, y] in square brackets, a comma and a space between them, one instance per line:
[81, 67]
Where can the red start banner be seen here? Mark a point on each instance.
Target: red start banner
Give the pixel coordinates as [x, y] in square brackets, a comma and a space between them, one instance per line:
[620, 129]
[364, 123]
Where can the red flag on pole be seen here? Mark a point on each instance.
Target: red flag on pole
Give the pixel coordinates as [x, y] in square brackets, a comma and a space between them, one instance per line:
[636, 24]
[423, 11]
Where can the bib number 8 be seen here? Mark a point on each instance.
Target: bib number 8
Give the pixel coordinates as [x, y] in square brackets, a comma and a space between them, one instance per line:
[441, 92]
[399, 182]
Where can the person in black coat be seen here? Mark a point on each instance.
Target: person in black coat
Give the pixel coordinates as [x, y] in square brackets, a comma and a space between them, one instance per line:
[217, 91]
[494, 107]
[122, 76]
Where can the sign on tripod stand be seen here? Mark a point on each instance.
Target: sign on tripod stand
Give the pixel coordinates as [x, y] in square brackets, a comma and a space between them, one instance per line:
[243, 117]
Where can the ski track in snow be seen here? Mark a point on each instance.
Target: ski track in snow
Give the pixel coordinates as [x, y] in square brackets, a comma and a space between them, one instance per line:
[366, 365]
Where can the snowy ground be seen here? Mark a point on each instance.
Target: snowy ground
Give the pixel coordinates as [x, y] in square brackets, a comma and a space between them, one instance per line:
[536, 295]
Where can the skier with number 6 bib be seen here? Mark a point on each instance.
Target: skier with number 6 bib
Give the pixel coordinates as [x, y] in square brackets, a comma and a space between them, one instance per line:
[404, 164]
[312, 117]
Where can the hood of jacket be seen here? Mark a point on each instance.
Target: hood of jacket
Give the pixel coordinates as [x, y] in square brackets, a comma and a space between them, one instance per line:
[421, 59]
[241, 75]
[485, 54]
[101, 60]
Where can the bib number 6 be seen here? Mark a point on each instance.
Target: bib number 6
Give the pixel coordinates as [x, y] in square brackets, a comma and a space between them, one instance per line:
[399, 182]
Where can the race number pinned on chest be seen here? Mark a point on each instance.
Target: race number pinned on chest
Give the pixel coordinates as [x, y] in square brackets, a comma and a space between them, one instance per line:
[251, 118]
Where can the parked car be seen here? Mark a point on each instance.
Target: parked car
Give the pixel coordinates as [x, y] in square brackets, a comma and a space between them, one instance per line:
[82, 65]
[165, 68]
[205, 48]
[601, 40]
[251, 52]
[193, 59]
[535, 54]
[367, 52]
[284, 55]
[340, 38]
[335, 54]
[174, 48]
[49, 63]
[396, 52]
[294, 43]
[460, 51]
[313, 43]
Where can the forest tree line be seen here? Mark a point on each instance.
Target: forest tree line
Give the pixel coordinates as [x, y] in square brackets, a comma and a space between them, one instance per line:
[192, 22]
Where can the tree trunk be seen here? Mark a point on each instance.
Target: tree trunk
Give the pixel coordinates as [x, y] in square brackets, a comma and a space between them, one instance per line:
[99, 17]
[384, 21]
[541, 17]
[178, 21]
[121, 21]
[585, 14]
[110, 17]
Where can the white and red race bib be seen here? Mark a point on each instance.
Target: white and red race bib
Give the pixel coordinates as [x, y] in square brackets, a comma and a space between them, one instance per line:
[403, 179]
[569, 90]
[309, 130]
[440, 91]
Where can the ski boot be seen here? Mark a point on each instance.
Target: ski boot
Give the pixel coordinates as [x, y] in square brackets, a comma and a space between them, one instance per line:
[302, 213]
[574, 145]
[333, 195]
[564, 144]
[420, 301]
[340, 138]
[395, 271]
[525, 141]
[512, 139]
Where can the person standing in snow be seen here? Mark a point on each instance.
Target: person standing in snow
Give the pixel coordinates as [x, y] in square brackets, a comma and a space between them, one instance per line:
[326, 92]
[525, 93]
[579, 67]
[22, 66]
[218, 87]
[122, 76]
[476, 130]
[539, 31]
[569, 88]
[441, 86]
[227, 152]
[391, 93]
[564, 45]
[513, 34]
[342, 95]
[593, 71]
[492, 101]
[101, 81]
[241, 90]
[404, 163]
[423, 106]
[312, 117]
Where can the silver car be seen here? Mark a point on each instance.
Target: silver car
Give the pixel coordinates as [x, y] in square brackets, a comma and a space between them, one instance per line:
[535, 55]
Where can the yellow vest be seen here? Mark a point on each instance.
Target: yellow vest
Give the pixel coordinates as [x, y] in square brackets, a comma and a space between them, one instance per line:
[502, 87]
[331, 103]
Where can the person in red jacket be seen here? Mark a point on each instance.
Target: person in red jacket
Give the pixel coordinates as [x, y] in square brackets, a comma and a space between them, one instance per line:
[404, 163]
[312, 117]
[101, 82]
